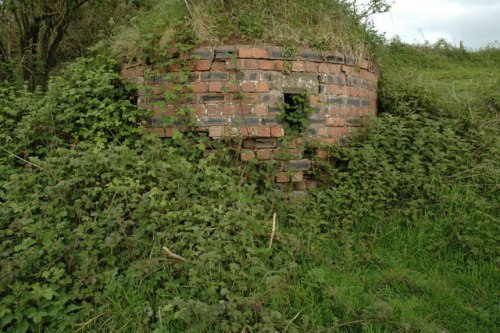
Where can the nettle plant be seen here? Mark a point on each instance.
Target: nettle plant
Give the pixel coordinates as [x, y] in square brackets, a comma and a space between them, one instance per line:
[295, 112]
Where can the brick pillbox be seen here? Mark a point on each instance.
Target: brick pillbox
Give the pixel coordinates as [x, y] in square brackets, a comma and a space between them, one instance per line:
[236, 91]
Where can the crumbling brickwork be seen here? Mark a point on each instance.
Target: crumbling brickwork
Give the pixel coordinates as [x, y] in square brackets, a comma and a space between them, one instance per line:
[238, 91]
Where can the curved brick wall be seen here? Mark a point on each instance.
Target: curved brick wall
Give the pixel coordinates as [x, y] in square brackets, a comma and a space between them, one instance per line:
[237, 91]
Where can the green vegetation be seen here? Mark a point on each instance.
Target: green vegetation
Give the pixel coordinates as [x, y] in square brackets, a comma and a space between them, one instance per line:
[321, 24]
[104, 228]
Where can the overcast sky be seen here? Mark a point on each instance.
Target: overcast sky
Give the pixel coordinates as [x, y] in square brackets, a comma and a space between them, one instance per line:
[476, 22]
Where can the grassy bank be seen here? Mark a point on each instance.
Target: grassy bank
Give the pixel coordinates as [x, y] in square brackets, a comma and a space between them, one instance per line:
[402, 237]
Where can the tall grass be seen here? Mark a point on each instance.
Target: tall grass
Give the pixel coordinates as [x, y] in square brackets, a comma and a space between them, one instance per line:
[321, 24]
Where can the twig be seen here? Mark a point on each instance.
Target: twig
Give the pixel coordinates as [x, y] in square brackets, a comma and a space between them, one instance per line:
[173, 255]
[188, 8]
[273, 231]
[88, 322]
[291, 321]
[22, 159]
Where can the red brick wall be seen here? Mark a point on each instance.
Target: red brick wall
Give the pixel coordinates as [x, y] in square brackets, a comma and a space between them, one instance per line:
[237, 91]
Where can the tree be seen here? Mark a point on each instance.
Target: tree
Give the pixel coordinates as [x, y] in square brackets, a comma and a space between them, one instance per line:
[40, 27]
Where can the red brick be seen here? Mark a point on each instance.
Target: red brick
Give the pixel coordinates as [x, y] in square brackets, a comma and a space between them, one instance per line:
[335, 122]
[313, 100]
[266, 65]
[169, 132]
[310, 66]
[215, 87]
[243, 131]
[249, 64]
[277, 132]
[329, 68]
[231, 87]
[215, 131]
[279, 65]
[203, 65]
[282, 177]
[297, 176]
[262, 87]
[219, 66]
[322, 131]
[338, 132]
[247, 155]
[199, 109]
[297, 66]
[260, 110]
[229, 109]
[199, 87]
[264, 154]
[338, 90]
[214, 109]
[253, 53]
[263, 132]
[246, 108]
[247, 87]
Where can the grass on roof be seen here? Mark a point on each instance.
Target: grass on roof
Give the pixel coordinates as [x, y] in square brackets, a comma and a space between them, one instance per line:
[320, 24]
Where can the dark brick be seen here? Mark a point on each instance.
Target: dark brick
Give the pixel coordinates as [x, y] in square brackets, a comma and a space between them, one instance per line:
[354, 121]
[350, 61]
[266, 98]
[312, 56]
[365, 102]
[353, 81]
[326, 78]
[240, 76]
[265, 76]
[265, 143]
[252, 76]
[273, 109]
[354, 102]
[243, 121]
[316, 120]
[219, 76]
[160, 78]
[224, 53]
[340, 80]
[335, 59]
[205, 54]
[194, 77]
[334, 100]
[271, 121]
[215, 121]
[276, 55]
[298, 165]
[212, 98]
[313, 131]
[321, 89]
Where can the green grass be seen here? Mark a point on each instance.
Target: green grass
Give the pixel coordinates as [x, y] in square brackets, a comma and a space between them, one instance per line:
[403, 236]
[320, 24]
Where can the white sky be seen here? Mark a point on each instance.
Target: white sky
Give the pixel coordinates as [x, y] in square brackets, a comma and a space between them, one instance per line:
[475, 22]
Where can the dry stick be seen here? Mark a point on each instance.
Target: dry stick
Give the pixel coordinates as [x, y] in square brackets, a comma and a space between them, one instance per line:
[88, 322]
[273, 231]
[22, 159]
[173, 255]
[291, 321]
[188, 8]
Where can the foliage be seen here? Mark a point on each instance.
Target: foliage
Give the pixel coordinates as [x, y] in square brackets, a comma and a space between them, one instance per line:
[37, 36]
[87, 105]
[324, 24]
[402, 236]
[295, 113]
